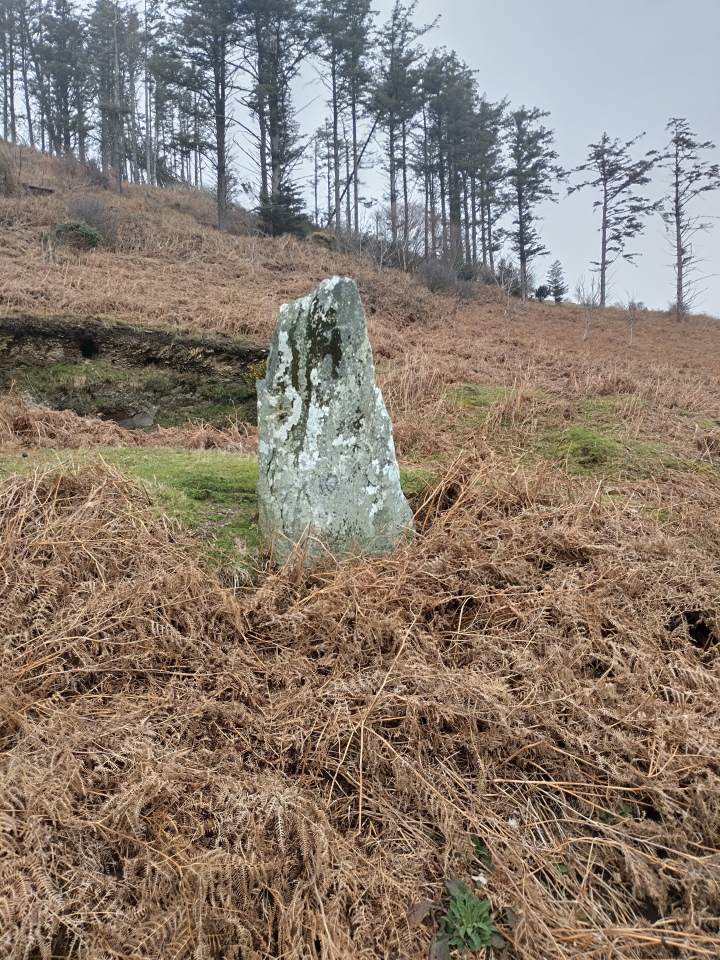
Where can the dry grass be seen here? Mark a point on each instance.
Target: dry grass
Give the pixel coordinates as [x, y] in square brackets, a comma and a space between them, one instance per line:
[288, 773]
[24, 427]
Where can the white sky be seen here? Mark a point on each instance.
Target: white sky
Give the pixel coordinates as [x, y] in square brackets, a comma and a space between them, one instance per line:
[620, 66]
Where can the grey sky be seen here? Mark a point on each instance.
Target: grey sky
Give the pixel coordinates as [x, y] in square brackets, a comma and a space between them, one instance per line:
[621, 66]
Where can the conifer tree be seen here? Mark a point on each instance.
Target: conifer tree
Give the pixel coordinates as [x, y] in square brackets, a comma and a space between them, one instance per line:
[277, 36]
[690, 178]
[343, 33]
[530, 176]
[208, 32]
[395, 96]
[622, 209]
[556, 282]
[450, 98]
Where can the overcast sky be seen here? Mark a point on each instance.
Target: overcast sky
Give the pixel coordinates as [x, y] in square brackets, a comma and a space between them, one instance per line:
[620, 66]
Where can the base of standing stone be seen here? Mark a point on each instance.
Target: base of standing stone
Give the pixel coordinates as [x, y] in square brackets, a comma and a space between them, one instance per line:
[328, 476]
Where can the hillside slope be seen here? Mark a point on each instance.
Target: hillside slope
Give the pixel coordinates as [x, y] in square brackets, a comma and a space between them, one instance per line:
[510, 727]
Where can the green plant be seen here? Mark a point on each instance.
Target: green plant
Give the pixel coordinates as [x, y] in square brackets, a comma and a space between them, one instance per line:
[482, 854]
[467, 921]
[7, 178]
[92, 211]
[75, 234]
[622, 812]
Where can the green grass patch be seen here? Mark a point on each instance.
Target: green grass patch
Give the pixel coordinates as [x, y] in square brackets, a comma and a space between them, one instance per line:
[588, 451]
[414, 480]
[211, 493]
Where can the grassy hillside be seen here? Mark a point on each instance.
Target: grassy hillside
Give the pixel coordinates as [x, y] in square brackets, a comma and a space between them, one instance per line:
[505, 735]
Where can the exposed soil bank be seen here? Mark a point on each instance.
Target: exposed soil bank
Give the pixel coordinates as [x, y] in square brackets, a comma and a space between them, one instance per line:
[134, 375]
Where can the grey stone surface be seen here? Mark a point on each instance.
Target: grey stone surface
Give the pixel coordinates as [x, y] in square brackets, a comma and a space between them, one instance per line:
[328, 476]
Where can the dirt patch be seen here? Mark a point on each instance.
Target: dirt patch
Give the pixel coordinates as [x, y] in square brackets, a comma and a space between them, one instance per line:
[132, 375]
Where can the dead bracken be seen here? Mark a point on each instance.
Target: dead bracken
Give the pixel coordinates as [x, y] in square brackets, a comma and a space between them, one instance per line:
[290, 771]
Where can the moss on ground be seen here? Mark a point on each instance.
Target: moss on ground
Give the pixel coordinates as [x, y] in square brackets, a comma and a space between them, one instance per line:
[618, 436]
[590, 451]
[115, 392]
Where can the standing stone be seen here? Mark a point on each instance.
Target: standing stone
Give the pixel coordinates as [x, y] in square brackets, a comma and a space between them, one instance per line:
[328, 476]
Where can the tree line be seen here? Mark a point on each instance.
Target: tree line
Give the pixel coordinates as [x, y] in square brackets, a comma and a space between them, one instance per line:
[194, 91]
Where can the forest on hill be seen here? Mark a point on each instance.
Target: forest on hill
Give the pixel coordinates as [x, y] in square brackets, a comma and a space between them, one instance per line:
[201, 92]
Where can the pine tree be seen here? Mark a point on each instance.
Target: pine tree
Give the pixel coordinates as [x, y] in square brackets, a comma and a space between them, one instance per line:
[208, 34]
[622, 210]
[530, 174]
[487, 178]
[277, 37]
[556, 282]
[343, 28]
[450, 96]
[395, 98]
[690, 178]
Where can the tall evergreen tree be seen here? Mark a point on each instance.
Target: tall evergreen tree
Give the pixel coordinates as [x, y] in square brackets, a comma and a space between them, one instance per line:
[208, 33]
[450, 99]
[691, 177]
[343, 34]
[616, 176]
[530, 176]
[62, 47]
[277, 37]
[394, 99]
[10, 44]
[556, 282]
[486, 179]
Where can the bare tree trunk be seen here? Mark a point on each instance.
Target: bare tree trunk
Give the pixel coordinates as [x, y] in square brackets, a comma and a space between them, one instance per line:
[148, 113]
[473, 211]
[328, 161]
[679, 259]
[491, 254]
[348, 211]
[81, 128]
[522, 256]
[356, 165]
[315, 182]
[220, 144]
[116, 107]
[26, 91]
[443, 209]
[134, 129]
[6, 114]
[336, 141]
[11, 90]
[466, 213]
[406, 203]
[426, 185]
[603, 250]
